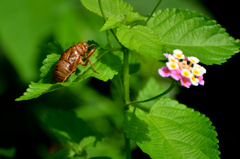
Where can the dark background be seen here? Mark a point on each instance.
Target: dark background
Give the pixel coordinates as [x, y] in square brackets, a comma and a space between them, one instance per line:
[218, 99]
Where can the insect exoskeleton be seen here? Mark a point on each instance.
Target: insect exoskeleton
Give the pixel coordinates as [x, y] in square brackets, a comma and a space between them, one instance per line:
[69, 60]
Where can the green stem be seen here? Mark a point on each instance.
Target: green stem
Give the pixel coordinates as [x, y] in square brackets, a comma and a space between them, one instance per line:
[155, 97]
[154, 10]
[105, 19]
[126, 97]
[126, 76]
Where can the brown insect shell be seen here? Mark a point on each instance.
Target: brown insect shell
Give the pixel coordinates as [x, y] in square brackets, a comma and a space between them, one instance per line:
[74, 53]
[70, 59]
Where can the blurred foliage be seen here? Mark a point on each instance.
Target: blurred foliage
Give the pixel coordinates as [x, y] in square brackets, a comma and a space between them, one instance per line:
[26, 27]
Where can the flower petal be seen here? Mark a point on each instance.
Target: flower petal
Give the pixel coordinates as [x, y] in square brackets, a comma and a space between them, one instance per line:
[176, 74]
[185, 82]
[164, 72]
[172, 65]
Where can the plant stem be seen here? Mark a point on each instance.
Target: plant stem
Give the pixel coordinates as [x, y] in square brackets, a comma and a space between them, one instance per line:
[126, 97]
[104, 18]
[154, 10]
[158, 96]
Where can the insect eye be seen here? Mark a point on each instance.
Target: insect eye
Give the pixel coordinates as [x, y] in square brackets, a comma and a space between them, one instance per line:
[85, 45]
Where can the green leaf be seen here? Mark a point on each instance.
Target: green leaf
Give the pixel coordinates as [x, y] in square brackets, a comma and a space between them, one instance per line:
[87, 142]
[8, 152]
[116, 12]
[105, 62]
[111, 8]
[64, 153]
[67, 127]
[111, 23]
[134, 16]
[172, 131]
[35, 90]
[100, 158]
[142, 40]
[48, 68]
[194, 34]
[151, 89]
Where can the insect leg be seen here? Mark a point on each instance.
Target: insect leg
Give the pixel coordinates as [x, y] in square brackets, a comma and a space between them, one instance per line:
[90, 53]
[85, 64]
[68, 75]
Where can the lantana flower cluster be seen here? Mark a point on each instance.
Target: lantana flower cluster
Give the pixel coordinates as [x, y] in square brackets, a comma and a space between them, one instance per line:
[183, 69]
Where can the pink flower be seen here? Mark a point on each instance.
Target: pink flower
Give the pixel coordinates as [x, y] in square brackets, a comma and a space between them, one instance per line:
[176, 74]
[201, 81]
[183, 68]
[185, 82]
[166, 55]
[164, 72]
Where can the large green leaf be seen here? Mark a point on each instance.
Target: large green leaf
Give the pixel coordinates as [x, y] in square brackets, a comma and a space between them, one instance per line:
[105, 62]
[194, 34]
[110, 7]
[172, 131]
[142, 40]
[116, 12]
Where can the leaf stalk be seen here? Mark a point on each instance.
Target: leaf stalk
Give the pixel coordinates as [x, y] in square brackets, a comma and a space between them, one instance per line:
[154, 10]
[155, 97]
[126, 97]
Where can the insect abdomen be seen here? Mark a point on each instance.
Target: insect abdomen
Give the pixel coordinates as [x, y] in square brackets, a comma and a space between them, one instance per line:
[62, 70]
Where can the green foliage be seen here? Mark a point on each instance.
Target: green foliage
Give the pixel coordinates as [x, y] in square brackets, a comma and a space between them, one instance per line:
[111, 8]
[178, 131]
[64, 153]
[151, 89]
[7, 152]
[169, 129]
[107, 64]
[194, 34]
[142, 40]
[65, 126]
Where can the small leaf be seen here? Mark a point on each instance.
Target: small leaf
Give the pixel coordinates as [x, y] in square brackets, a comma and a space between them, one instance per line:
[172, 131]
[194, 34]
[64, 153]
[142, 40]
[133, 16]
[35, 90]
[48, 68]
[111, 23]
[111, 8]
[100, 158]
[87, 142]
[105, 62]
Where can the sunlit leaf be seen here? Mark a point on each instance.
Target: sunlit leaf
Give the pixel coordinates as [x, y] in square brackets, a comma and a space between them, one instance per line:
[105, 62]
[110, 7]
[142, 40]
[111, 23]
[194, 34]
[172, 131]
